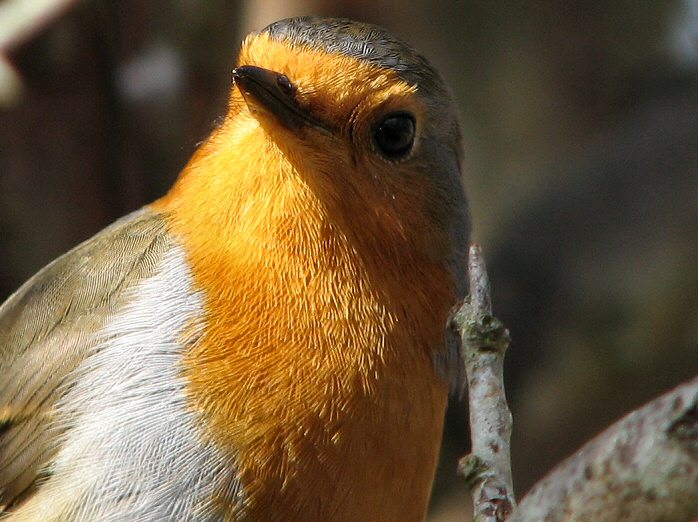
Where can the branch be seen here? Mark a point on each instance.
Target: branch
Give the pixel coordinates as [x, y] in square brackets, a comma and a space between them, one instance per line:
[484, 340]
[19, 20]
[644, 467]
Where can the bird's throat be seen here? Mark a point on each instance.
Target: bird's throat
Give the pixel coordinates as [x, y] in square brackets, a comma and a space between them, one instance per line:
[309, 345]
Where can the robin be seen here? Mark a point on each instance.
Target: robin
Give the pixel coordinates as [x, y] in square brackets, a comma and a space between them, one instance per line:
[266, 341]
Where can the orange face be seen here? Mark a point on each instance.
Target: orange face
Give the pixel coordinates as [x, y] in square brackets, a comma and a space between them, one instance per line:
[363, 189]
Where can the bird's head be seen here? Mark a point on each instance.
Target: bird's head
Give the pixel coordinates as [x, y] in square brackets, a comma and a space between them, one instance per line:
[339, 116]
[362, 113]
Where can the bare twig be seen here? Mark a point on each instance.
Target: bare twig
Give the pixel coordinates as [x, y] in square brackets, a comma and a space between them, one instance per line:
[484, 340]
[643, 468]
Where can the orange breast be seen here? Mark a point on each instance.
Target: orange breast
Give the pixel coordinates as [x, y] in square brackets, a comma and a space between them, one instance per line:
[315, 372]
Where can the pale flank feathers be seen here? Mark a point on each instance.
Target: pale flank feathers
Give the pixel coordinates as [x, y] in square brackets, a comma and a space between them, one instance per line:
[92, 398]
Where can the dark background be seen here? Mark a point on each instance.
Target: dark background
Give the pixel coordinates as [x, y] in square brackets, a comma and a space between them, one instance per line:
[581, 129]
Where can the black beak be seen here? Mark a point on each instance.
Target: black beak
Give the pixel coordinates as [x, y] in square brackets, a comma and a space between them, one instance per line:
[272, 93]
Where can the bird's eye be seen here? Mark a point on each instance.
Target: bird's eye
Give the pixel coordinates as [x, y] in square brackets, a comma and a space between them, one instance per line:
[394, 135]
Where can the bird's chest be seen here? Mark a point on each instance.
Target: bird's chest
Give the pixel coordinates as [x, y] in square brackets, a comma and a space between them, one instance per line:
[329, 398]
[348, 442]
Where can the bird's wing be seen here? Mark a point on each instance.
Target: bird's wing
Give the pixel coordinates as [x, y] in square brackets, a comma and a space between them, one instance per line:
[46, 330]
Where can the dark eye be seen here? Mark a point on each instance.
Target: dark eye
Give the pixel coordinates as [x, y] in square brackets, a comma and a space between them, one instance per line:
[394, 135]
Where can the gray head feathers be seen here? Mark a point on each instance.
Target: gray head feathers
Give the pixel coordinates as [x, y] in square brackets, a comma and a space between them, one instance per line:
[359, 40]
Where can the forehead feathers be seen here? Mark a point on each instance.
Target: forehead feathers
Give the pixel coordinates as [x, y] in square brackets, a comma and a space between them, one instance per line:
[337, 87]
[365, 42]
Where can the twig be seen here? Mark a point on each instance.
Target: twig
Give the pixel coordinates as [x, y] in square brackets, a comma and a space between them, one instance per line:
[643, 468]
[19, 20]
[484, 340]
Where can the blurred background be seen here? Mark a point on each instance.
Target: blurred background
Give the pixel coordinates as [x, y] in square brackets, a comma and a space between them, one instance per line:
[581, 130]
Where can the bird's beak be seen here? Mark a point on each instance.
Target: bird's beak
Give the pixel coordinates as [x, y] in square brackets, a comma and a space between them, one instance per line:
[272, 93]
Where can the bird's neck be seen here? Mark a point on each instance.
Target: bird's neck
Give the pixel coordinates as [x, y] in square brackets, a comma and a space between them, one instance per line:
[311, 340]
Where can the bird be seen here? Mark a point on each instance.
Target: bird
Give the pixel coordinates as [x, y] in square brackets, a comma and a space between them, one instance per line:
[267, 340]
